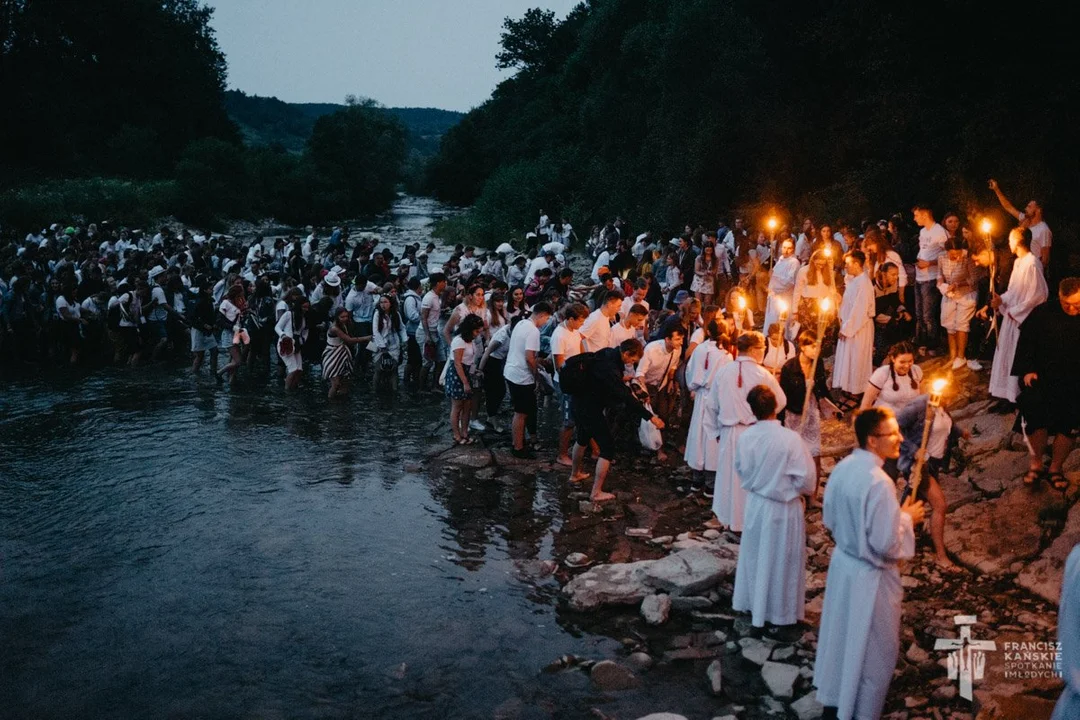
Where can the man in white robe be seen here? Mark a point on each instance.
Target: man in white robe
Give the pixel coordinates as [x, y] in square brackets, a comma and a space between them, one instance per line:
[859, 638]
[782, 285]
[776, 471]
[855, 349]
[702, 445]
[1027, 290]
[730, 387]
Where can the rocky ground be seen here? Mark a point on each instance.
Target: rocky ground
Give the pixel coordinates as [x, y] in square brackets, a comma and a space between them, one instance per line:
[651, 576]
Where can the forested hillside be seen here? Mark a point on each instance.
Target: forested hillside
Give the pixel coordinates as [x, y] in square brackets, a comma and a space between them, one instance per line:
[268, 121]
[675, 111]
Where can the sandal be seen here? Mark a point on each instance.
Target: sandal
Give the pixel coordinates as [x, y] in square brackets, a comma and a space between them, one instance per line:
[1033, 476]
[1058, 480]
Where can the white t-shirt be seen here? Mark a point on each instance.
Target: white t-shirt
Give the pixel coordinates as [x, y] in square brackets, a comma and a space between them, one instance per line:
[157, 297]
[61, 302]
[895, 400]
[526, 336]
[596, 332]
[470, 351]
[938, 441]
[500, 342]
[931, 246]
[433, 305]
[565, 342]
[620, 332]
[629, 302]
[1041, 237]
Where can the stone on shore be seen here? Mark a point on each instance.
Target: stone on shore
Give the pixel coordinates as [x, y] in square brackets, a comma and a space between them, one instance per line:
[662, 716]
[640, 661]
[617, 584]
[755, 650]
[469, 456]
[1043, 576]
[716, 679]
[807, 707]
[688, 572]
[989, 432]
[608, 675]
[656, 609]
[992, 535]
[780, 678]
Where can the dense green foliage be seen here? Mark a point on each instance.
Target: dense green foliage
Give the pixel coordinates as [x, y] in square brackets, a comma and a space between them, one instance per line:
[118, 110]
[272, 122]
[111, 86]
[668, 112]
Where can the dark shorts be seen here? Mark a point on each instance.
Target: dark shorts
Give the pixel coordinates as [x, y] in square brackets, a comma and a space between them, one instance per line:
[156, 330]
[522, 397]
[567, 407]
[592, 425]
[1052, 408]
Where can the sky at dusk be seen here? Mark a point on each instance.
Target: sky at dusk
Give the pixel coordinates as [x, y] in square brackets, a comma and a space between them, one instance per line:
[402, 53]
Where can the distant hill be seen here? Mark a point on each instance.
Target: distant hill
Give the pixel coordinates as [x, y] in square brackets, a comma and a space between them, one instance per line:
[269, 121]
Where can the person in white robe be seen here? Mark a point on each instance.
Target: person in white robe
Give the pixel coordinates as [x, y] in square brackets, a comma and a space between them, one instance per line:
[1027, 290]
[855, 349]
[859, 637]
[702, 445]
[730, 386]
[782, 285]
[1068, 705]
[776, 471]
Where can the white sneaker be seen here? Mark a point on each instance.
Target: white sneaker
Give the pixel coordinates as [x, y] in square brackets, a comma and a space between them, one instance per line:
[974, 365]
[477, 426]
[958, 363]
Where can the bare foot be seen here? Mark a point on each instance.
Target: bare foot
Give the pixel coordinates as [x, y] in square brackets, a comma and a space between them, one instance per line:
[602, 497]
[565, 460]
[945, 563]
[579, 478]
[661, 456]
[713, 524]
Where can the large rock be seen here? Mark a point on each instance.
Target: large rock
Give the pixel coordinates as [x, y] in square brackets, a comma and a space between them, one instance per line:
[690, 571]
[662, 716]
[716, 677]
[608, 675]
[780, 678]
[992, 535]
[1010, 706]
[618, 584]
[996, 473]
[1043, 576]
[470, 456]
[989, 432]
[807, 707]
[656, 609]
[755, 650]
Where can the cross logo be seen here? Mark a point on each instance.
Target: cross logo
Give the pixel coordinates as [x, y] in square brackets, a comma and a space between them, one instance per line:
[967, 659]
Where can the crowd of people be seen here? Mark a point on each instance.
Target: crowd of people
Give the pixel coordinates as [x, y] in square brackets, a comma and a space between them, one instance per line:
[728, 346]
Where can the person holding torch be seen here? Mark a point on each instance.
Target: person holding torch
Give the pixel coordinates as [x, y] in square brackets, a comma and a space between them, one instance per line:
[930, 436]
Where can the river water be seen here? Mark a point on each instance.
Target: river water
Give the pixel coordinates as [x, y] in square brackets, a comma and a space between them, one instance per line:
[172, 548]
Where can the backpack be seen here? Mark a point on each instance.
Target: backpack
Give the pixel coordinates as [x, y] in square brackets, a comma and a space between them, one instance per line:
[574, 375]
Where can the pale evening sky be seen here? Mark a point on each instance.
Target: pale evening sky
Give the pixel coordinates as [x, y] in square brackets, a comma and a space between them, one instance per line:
[402, 53]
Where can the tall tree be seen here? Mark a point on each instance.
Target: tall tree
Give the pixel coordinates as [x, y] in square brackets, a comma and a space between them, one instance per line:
[79, 78]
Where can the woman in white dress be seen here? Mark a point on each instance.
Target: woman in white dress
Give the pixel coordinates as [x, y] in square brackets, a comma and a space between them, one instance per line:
[702, 444]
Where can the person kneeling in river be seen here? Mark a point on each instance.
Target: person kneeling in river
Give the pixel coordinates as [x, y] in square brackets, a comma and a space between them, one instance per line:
[603, 388]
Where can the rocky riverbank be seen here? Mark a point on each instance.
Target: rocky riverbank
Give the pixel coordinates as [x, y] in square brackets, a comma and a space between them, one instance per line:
[642, 570]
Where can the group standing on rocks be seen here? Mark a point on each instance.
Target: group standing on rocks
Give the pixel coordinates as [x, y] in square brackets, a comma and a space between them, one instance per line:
[656, 350]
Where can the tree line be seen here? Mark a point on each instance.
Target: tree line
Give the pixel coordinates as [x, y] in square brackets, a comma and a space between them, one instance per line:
[117, 109]
[674, 112]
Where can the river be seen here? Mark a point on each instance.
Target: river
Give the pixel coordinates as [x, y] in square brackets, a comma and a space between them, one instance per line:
[173, 548]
